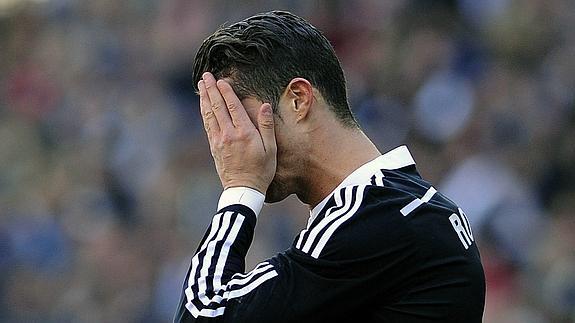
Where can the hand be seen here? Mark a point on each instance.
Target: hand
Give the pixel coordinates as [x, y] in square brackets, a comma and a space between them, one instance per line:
[244, 155]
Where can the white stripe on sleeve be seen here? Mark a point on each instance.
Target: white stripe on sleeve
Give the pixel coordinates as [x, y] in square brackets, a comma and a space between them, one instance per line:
[196, 259]
[207, 261]
[219, 271]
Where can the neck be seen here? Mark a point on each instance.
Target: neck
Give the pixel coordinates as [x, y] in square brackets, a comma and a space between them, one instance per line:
[335, 153]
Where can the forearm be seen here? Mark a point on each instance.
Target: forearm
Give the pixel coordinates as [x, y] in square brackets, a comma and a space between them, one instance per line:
[221, 254]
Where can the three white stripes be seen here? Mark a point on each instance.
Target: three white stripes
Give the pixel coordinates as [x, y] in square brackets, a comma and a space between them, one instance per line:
[329, 215]
[325, 237]
[338, 204]
[202, 288]
[216, 235]
[335, 216]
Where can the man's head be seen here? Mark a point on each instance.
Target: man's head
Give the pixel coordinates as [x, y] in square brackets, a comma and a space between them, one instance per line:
[280, 58]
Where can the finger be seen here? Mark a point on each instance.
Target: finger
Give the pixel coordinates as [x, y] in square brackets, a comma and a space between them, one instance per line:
[235, 107]
[217, 102]
[210, 123]
[266, 127]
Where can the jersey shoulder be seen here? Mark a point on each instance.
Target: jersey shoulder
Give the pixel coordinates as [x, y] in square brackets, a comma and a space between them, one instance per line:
[377, 219]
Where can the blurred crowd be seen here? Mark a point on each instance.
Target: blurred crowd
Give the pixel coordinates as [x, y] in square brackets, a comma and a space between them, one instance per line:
[107, 184]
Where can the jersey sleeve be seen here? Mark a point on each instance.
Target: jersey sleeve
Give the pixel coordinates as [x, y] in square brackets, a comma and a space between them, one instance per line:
[216, 274]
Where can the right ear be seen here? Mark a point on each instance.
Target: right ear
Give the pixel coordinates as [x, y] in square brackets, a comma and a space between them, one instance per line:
[299, 93]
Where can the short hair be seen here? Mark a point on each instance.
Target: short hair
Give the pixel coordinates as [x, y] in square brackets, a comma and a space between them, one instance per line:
[263, 53]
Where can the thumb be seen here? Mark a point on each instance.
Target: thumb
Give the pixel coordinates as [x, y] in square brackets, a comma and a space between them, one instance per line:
[266, 126]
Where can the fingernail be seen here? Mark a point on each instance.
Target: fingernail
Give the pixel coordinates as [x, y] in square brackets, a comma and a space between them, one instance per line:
[200, 84]
[267, 109]
[206, 75]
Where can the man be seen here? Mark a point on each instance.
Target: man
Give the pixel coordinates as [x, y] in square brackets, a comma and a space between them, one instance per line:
[381, 244]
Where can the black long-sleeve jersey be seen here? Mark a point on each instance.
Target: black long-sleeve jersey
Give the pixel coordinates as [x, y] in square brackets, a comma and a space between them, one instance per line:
[385, 246]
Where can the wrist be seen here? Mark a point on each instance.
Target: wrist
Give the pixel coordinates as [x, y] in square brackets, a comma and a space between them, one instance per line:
[247, 196]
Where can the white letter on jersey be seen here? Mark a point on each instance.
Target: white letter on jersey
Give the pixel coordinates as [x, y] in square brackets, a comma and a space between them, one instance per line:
[464, 233]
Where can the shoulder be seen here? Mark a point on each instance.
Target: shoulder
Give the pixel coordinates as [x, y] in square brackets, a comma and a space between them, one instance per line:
[361, 219]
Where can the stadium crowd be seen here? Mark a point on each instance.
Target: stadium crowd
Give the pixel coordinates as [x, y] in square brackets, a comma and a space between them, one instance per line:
[107, 184]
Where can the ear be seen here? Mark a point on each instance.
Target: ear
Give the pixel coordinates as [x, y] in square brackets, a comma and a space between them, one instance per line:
[299, 92]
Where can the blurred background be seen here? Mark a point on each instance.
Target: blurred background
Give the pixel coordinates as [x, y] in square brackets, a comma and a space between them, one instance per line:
[107, 184]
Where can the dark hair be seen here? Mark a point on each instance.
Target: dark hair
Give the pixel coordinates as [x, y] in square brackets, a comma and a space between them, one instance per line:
[263, 53]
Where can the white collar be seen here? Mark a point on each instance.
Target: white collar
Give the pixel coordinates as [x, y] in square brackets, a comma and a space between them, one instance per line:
[397, 158]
